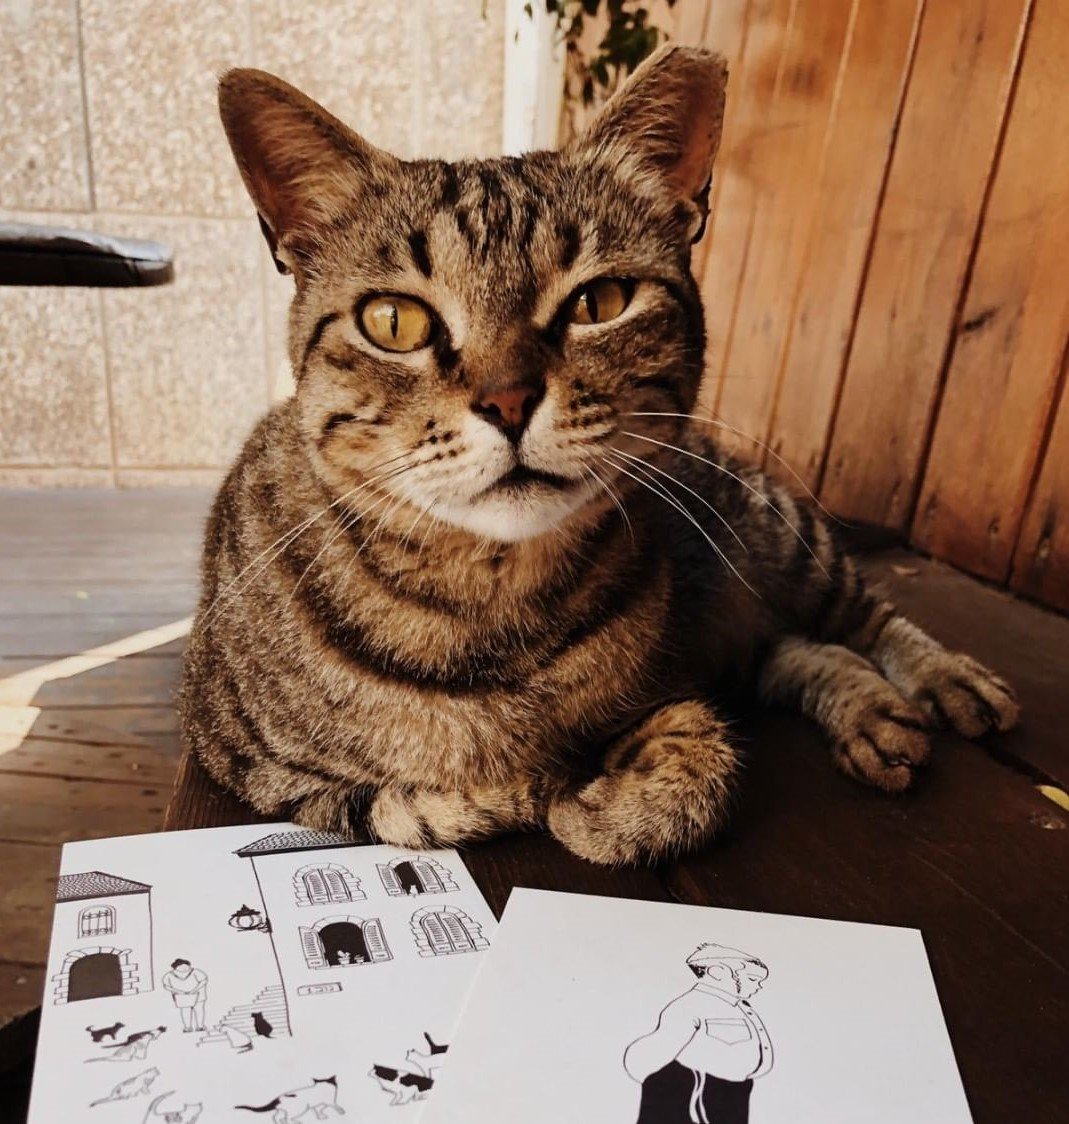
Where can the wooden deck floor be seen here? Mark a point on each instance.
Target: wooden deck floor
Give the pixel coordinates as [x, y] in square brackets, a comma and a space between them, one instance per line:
[976, 857]
[79, 570]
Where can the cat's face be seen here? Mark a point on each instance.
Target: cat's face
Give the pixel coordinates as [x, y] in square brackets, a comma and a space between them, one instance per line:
[473, 340]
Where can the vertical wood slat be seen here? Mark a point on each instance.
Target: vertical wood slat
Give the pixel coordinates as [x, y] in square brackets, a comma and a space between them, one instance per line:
[719, 25]
[785, 158]
[950, 125]
[1041, 563]
[752, 90]
[860, 142]
[1004, 374]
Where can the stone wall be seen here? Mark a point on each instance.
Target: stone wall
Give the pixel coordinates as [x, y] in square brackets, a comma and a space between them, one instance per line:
[109, 123]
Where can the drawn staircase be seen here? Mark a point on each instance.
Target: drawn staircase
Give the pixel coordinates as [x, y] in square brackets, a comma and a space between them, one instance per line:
[271, 1002]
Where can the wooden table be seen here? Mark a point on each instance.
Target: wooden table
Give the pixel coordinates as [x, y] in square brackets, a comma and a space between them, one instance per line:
[977, 858]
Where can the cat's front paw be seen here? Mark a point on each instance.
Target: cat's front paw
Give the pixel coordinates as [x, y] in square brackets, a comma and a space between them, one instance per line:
[956, 691]
[951, 688]
[884, 746]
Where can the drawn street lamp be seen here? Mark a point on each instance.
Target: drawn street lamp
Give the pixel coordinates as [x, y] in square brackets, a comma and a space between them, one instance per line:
[248, 920]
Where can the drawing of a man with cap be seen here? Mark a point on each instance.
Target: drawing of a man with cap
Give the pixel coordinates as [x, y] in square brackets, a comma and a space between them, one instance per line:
[698, 1065]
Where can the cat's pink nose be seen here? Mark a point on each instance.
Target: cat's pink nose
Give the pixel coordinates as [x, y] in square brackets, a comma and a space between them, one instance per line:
[509, 408]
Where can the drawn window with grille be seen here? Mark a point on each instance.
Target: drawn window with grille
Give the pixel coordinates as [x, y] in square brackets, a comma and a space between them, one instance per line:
[96, 921]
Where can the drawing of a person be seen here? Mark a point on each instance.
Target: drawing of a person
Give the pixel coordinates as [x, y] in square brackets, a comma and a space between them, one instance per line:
[698, 1065]
[189, 991]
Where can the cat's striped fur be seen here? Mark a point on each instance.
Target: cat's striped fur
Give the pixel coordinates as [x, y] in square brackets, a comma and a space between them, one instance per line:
[388, 637]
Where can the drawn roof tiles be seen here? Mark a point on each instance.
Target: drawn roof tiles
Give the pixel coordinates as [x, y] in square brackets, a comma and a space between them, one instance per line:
[300, 840]
[96, 884]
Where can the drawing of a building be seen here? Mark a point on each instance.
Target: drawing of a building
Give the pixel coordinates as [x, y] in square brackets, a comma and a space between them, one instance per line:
[318, 921]
[105, 922]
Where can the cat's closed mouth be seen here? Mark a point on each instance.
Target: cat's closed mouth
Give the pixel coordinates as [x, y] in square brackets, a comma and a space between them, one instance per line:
[520, 476]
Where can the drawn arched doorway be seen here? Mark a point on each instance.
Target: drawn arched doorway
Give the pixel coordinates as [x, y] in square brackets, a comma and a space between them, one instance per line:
[415, 874]
[106, 971]
[443, 930]
[342, 942]
[94, 976]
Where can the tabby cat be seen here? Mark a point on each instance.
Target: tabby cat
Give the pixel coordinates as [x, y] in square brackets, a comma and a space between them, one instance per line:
[482, 572]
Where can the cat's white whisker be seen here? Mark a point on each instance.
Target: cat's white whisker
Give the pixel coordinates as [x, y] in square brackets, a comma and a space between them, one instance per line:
[749, 437]
[664, 494]
[285, 540]
[344, 523]
[612, 494]
[739, 480]
[697, 495]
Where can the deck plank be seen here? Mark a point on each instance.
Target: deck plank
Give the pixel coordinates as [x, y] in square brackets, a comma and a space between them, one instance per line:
[83, 569]
[36, 809]
[1025, 643]
[142, 680]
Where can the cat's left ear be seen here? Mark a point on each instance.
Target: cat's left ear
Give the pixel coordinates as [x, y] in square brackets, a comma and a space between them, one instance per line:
[668, 118]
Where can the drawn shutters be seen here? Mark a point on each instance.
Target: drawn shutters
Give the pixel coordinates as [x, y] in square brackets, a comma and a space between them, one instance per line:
[437, 935]
[312, 948]
[390, 881]
[319, 884]
[445, 930]
[375, 941]
[428, 876]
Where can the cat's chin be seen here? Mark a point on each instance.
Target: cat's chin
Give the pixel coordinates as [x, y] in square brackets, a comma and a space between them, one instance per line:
[506, 518]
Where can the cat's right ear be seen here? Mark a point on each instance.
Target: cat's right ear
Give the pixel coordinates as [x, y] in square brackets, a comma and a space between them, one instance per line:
[301, 165]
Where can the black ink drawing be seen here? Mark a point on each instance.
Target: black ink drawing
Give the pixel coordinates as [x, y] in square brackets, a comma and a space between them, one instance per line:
[265, 1017]
[274, 854]
[248, 920]
[407, 1085]
[135, 1048]
[404, 1086]
[238, 1041]
[427, 1062]
[187, 1114]
[99, 1033]
[441, 930]
[342, 942]
[415, 874]
[698, 1065]
[130, 1088]
[309, 1102]
[98, 909]
[322, 883]
[319, 988]
[189, 992]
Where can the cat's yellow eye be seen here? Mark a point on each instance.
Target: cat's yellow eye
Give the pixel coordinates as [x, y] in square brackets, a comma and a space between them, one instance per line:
[396, 323]
[600, 301]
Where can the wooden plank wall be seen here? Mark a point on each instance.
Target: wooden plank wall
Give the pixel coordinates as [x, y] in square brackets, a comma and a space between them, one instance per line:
[883, 266]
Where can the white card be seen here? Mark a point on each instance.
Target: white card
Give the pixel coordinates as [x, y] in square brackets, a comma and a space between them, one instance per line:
[604, 1011]
[246, 974]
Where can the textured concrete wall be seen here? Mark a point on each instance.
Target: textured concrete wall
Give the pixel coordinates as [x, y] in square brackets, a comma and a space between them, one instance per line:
[109, 123]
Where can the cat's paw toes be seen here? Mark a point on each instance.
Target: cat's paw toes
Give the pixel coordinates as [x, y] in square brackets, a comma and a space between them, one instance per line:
[885, 747]
[962, 694]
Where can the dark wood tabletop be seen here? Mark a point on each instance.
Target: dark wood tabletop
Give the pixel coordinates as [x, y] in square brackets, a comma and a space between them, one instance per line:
[977, 857]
